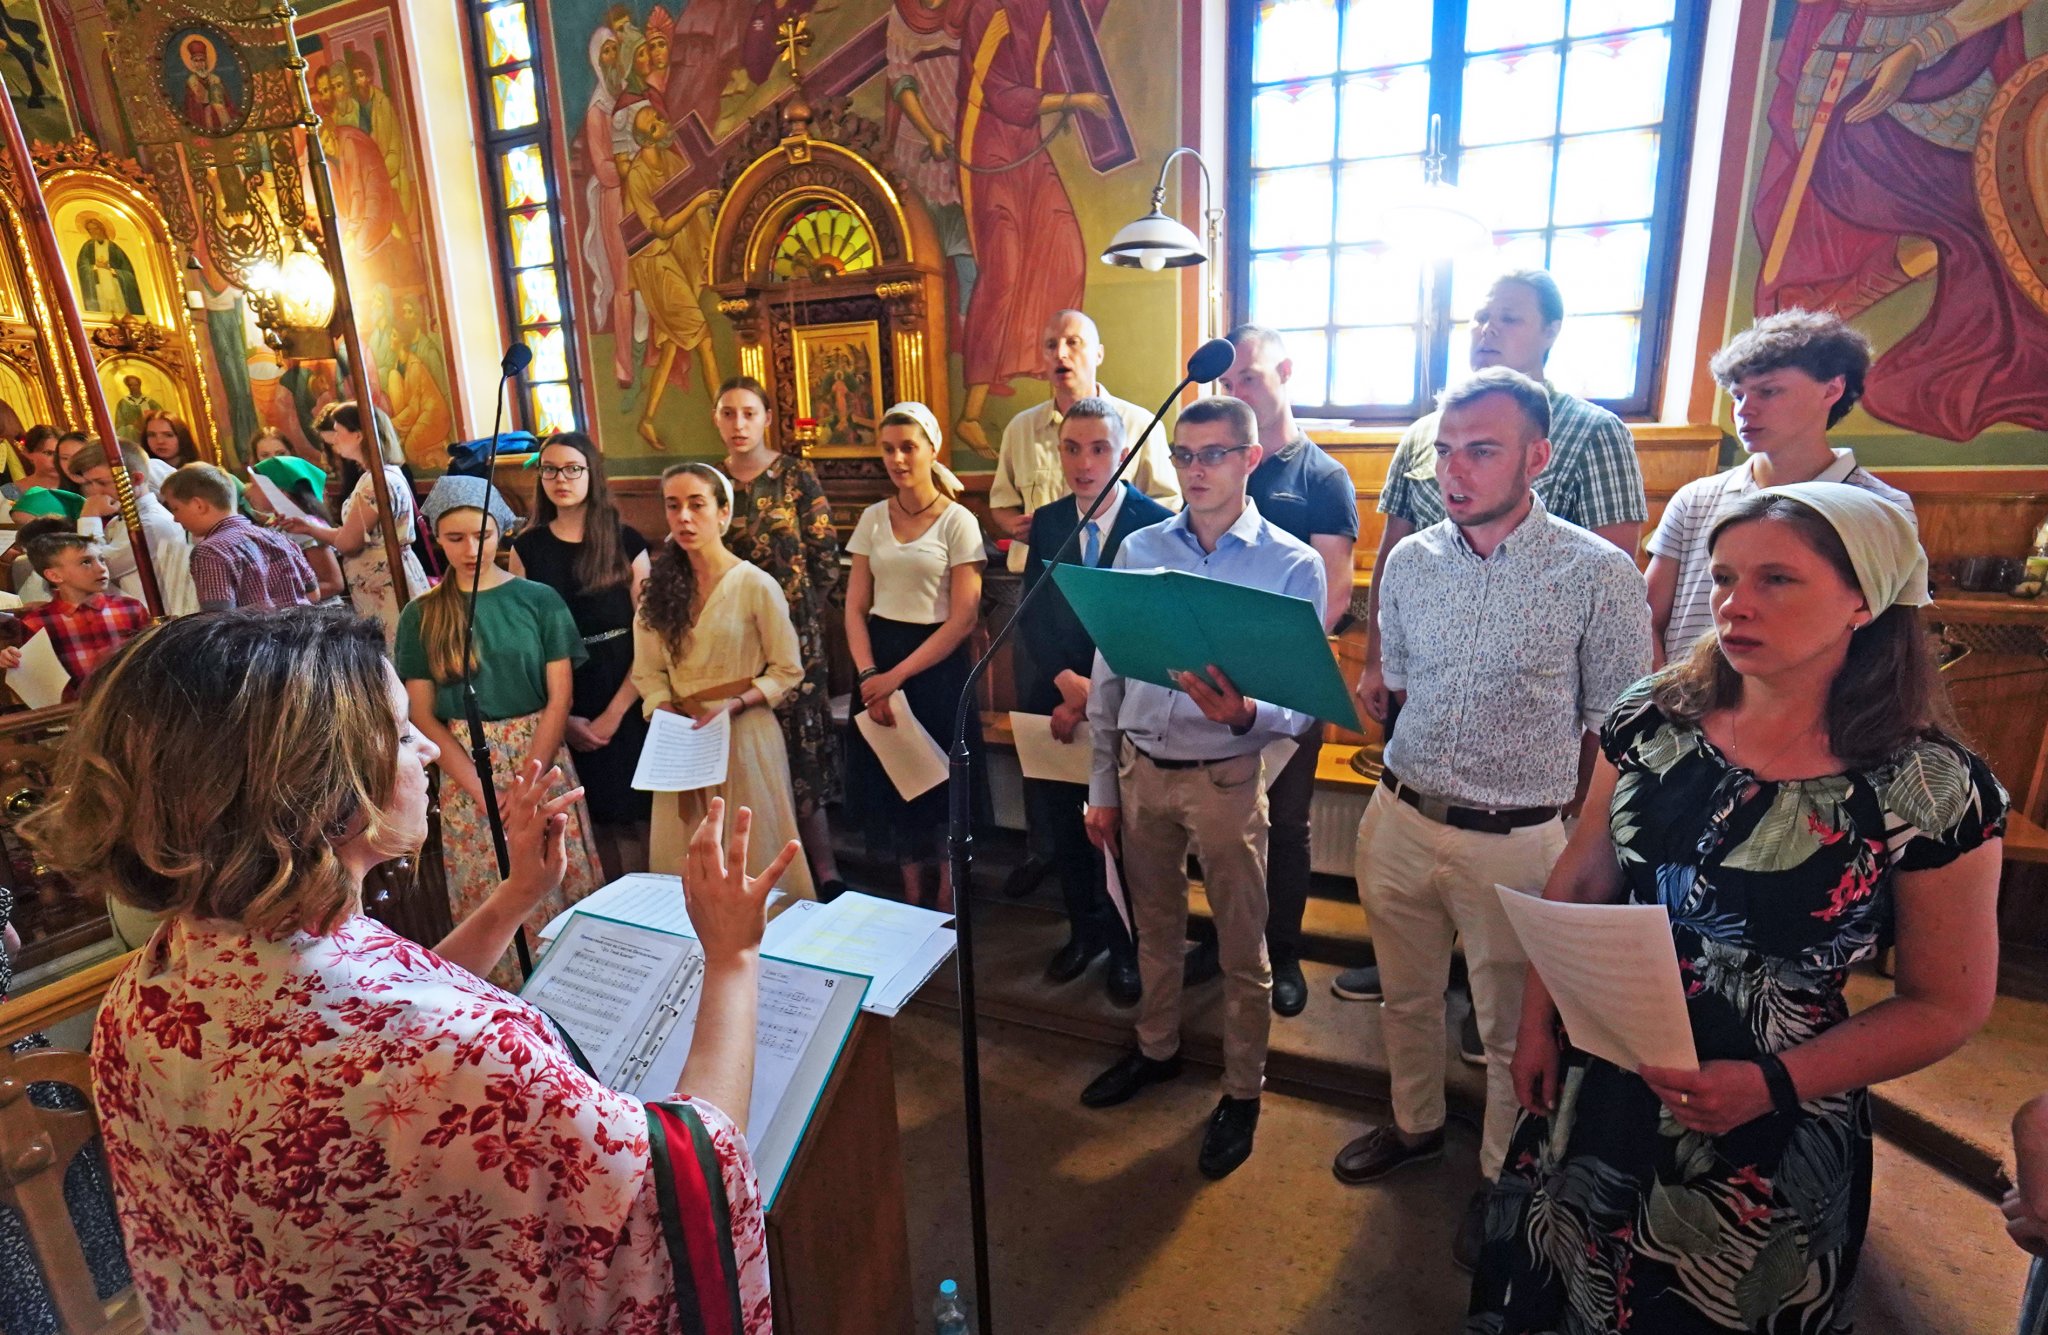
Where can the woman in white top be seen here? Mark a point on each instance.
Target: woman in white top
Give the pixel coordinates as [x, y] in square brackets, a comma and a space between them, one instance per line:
[358, 537]
[911, 604]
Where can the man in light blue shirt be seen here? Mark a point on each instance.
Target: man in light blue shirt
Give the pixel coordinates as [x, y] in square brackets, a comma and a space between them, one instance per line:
[1180, 767]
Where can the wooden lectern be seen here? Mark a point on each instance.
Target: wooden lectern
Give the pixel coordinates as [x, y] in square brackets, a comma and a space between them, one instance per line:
[838, 1240]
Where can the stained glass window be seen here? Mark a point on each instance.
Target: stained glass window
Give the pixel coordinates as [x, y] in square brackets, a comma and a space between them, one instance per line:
[1564, 120]
[528, 226]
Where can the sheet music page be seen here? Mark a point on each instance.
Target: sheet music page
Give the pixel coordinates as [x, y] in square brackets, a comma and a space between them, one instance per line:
[1276, 755]
[1613, 972]
[860, 934]
[680, 757]
[792, 1002]
[1043, 756]
[42, 677]
[602, 981]
[274, 498]
[913, 761]
[641, 898]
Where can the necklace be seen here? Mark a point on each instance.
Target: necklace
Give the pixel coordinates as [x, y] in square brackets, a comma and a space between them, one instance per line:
[1735, 736]
[909, 513]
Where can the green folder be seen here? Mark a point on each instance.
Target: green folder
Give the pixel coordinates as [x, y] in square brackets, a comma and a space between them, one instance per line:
[1148, 623]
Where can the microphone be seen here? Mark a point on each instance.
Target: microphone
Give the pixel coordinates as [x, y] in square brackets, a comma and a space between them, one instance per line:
[1210, 361]
[518, 357]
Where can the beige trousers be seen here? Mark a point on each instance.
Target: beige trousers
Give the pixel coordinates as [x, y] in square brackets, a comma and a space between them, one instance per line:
[1424, 884]
[1221, 810]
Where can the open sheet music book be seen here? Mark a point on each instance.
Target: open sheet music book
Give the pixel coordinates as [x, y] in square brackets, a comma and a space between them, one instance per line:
[628, 995]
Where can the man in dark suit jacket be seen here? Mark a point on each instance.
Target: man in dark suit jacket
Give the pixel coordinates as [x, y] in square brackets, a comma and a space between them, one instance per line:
[1060, 659]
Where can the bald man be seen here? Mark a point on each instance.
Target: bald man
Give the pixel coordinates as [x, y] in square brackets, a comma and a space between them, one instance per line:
[1028, 471]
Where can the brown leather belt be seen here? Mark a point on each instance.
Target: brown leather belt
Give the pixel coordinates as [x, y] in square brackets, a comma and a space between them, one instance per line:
[692, 703]
[1477, 819]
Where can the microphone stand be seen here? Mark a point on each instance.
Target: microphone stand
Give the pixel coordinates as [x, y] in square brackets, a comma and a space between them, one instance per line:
[479, 744]
[959, 851]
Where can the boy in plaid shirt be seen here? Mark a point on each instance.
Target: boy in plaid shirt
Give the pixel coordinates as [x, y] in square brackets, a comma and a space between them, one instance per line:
[86, 619]
[234, 563]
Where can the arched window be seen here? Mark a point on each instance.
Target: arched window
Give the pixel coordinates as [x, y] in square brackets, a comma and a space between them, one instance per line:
[1564, 121]
[525, 217]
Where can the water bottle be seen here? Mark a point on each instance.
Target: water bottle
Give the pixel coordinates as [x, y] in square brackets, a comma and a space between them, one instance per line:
[949, 1311]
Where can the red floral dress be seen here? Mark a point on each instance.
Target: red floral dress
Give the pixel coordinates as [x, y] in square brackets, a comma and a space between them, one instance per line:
[347, 1133]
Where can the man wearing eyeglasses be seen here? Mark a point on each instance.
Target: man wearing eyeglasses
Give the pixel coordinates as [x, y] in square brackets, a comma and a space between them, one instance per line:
[1180, 768]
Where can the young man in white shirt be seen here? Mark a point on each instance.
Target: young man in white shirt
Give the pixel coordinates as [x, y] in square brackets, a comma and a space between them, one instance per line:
[1793, 375]
[170, 550]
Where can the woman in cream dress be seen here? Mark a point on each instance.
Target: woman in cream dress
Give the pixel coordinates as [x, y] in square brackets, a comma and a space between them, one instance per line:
[714, 636]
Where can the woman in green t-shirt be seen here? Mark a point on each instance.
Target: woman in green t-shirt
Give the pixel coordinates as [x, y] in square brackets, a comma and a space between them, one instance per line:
[524, 659]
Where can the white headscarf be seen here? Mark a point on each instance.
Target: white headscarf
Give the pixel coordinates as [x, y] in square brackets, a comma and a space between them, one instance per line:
[928, 422]
[1883, 545]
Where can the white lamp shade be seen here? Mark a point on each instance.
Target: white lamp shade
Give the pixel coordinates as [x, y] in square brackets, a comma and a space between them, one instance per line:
[1154, 242]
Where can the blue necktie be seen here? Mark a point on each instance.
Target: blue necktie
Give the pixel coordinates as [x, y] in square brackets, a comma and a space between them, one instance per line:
[1091, 544]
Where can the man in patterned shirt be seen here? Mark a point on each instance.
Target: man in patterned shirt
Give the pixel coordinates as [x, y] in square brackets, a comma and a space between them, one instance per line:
[234, 562]
[1507, 635]
[86, 620]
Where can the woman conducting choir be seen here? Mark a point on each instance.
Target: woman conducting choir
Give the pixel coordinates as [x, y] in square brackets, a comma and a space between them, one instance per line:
[578, 546]
[714, 638]
[1794, 796]
[911, 603]
[782, 523]
[523, 661]
[313, 1123]
[359, 537]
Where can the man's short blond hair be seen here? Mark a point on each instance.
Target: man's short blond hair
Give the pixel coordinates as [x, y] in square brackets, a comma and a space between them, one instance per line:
[201, 482]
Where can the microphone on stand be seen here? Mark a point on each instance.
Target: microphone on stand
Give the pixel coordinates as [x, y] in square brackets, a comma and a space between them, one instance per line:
[516, 359]
[1208, 364]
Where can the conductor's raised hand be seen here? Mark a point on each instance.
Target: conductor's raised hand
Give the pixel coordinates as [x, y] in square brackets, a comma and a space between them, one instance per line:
[536, 832]
[728, 908]
[1219, 701]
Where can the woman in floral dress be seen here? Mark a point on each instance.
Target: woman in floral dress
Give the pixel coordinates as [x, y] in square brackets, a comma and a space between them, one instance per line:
[318, 1126]
[1794, 797]
[782, 523]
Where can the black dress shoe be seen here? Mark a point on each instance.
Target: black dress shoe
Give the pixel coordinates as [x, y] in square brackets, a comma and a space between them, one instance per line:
[1025, 878]
[1201, 964]
[1072, 961]
[1132, 1072]
[1228, 1141]
[1290, 989]
[1125, 986]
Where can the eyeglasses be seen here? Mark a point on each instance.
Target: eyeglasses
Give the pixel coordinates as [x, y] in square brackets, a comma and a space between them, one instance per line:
[1207, 457]
[549, 472]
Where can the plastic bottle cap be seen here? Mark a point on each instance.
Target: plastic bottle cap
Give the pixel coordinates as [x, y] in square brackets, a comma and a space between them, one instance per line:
[949, 1288]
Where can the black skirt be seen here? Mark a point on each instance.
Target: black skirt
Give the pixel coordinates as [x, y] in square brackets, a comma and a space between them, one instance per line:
[913, 831]
[607, 772]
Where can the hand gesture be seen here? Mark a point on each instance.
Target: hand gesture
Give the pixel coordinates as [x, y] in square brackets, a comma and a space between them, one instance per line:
[1219, 701]
[1104, 826]
[1894, 72]
[728, 909]
[99, 507]
[1373, 693]
[1715, 1099]
[536, 833]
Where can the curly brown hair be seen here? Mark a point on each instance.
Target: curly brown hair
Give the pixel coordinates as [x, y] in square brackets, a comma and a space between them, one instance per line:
[1816, 342]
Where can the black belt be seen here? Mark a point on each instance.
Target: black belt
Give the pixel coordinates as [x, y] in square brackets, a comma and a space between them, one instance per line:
[1158, 763]
[1478, 819]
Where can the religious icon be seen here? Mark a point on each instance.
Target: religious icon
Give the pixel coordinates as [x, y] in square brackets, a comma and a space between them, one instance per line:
[838, 382]
[28, 66]
[106, 275]
[205, 79]
[132, 407]
[137, 387]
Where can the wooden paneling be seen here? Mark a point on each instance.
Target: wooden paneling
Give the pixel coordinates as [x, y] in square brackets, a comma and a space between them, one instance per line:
[1973, 511]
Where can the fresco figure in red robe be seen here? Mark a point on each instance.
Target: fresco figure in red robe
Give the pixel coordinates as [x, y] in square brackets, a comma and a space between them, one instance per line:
[1866, 187]
[1027, 243]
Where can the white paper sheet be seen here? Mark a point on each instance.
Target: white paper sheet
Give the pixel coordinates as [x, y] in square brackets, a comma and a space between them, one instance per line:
[1114, 881]
[274, 498]
[792, 1002]
[914, 762]
[897, 946]
[603, 982]
[680, 757]
[1043, 756]
[641, 897]
[1276, 755]
[1613, 972]
[42, 677]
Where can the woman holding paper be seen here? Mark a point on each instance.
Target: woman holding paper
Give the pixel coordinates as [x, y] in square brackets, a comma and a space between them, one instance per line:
[358, 537]
[523, 660]
[912, 602]
[1793, 795]
[714, 638]
[307, 1116]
